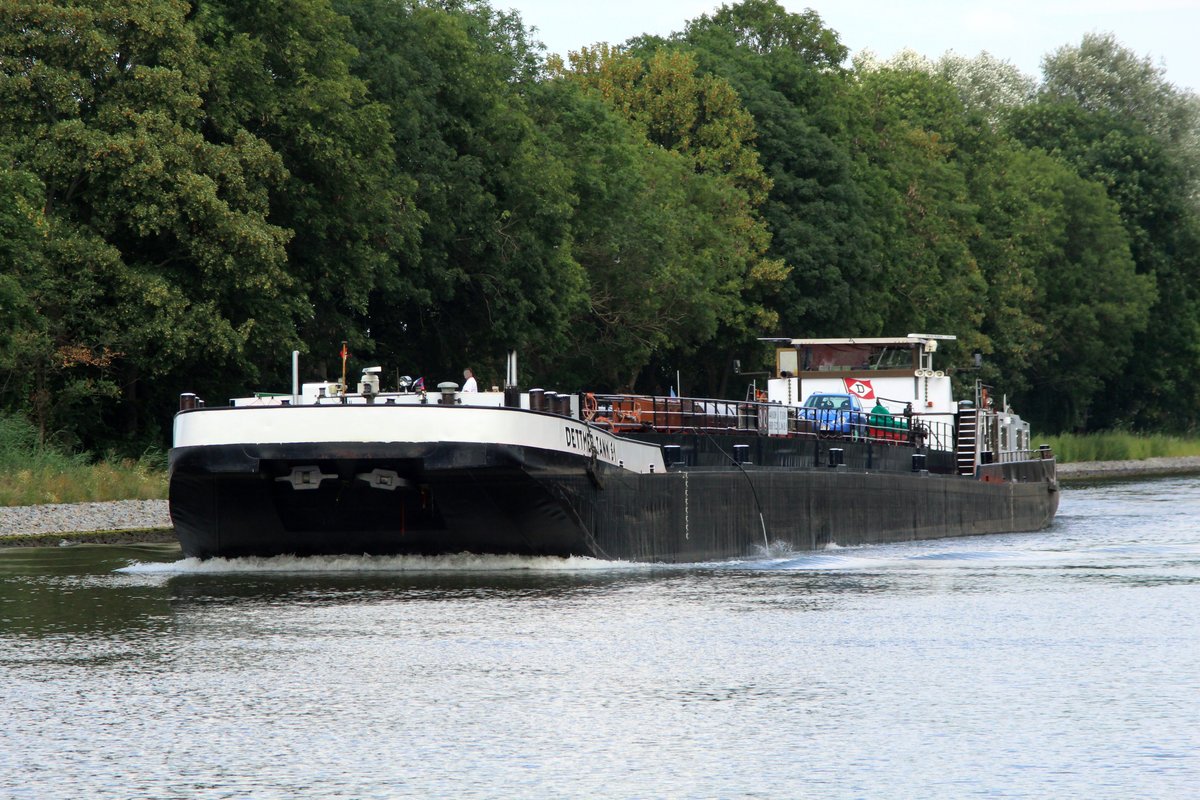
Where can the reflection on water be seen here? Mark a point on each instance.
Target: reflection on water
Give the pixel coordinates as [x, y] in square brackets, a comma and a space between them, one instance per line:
[1059, 663]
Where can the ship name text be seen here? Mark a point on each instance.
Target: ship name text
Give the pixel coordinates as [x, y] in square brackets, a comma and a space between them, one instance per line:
[588, 442]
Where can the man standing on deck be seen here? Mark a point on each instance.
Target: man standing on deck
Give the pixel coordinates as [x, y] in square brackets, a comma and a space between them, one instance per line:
[469, 384]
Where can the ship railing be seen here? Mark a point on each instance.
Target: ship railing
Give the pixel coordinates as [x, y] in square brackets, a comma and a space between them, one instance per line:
[1006, 456]
[623, 413]
[650, 413]
[898, 429]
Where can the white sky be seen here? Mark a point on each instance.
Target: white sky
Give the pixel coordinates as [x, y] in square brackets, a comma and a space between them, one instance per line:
[1020, 31]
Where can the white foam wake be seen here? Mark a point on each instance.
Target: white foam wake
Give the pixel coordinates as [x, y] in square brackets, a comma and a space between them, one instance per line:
[461, 562]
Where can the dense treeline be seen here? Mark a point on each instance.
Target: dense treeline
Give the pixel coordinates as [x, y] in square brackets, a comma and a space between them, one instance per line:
[189, 191]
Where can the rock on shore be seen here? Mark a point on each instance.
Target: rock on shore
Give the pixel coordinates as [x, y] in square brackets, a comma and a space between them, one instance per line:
[118, 515]
[1146, 468]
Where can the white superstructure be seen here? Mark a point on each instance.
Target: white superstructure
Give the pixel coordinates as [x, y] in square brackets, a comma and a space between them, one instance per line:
[894, 371]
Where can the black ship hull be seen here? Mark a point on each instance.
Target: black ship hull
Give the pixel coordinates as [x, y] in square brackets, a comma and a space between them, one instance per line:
[236, 500]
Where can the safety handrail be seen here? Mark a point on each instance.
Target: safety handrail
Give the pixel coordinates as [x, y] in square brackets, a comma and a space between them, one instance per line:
[652, 413]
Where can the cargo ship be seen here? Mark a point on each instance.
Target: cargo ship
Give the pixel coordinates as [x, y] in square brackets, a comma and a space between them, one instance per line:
[850, 441]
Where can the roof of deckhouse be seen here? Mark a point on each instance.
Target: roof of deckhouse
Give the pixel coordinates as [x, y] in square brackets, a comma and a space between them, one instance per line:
[911, 339]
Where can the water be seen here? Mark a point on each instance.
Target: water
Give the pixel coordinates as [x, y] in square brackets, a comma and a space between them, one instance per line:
[1057, 664]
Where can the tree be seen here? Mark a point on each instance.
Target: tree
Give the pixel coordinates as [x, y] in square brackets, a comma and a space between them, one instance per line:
[159, 255]
[1147, 174]
[1100, 75]
[635, 231]
[698, 117]
[786, 69]
[1017, 234]
[923, 215]
[1088, 304]
[987, 85]
[281, 73]
[493, 268]
[23, 331]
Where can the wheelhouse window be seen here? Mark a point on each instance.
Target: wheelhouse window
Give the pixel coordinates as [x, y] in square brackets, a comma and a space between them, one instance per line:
[854, 357]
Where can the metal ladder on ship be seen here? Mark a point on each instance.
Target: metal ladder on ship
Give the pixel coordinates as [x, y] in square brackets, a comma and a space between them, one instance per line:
[966, 441]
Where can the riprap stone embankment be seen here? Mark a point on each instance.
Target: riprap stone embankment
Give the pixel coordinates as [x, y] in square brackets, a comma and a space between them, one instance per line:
[126, 520]
[1145, 468]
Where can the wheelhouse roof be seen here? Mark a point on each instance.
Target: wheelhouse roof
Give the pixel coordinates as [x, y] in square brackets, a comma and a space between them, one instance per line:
[911, 339]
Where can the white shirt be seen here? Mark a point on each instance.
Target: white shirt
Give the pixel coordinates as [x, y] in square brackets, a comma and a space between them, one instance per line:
[470, 385]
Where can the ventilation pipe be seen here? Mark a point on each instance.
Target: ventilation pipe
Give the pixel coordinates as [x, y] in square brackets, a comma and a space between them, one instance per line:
[295, 377]
[512, 391]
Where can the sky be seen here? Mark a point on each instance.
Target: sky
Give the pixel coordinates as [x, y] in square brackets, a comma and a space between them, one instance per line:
[1019, 31]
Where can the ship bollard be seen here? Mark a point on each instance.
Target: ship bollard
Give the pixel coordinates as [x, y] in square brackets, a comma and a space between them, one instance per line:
[741, 453]
[672, 455]
[837, 457]
[537, 399]
[918, 462]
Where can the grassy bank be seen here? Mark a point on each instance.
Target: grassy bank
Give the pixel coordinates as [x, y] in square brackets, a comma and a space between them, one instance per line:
[1118, 446]
[31, 473]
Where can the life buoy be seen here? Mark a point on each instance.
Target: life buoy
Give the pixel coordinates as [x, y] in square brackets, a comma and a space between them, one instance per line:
[589, 406]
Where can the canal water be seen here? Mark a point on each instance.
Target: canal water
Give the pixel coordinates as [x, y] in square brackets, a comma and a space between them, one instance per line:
[1064, 663]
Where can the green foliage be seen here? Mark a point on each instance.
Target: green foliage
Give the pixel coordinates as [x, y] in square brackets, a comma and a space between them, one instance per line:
[1112, 116]
[724, 269]
[282, 74]
[987, 85]
[1092, 306]
[635, 232]
[1102, 76]
[923, 214]
[794, 42]
[32, 472]
[156, 260]
[1118, 446]
[785, 67]
[22, 226]
[21, 447]
[493, 269]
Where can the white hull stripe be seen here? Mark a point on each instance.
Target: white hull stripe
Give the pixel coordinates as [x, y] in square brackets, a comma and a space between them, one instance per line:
[411, 424]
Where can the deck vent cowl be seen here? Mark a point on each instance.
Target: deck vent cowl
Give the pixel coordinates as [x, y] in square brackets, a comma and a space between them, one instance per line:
[448, 389]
